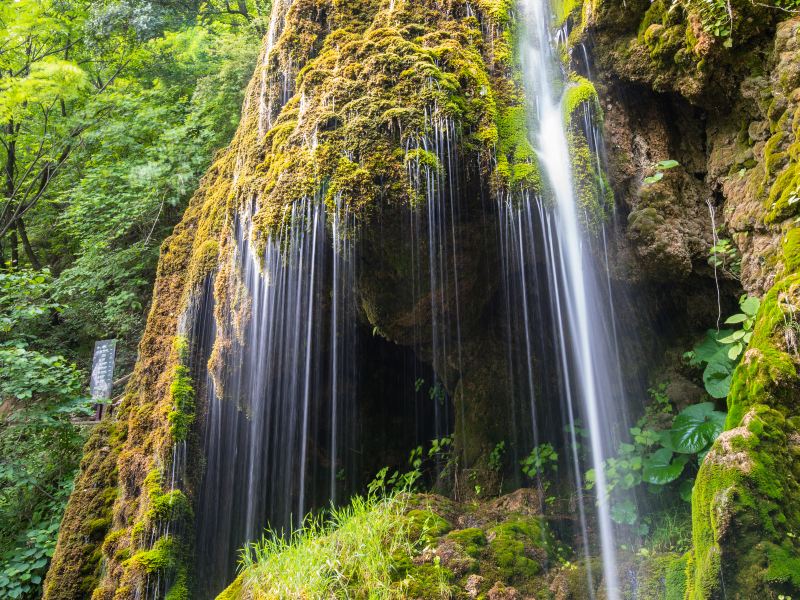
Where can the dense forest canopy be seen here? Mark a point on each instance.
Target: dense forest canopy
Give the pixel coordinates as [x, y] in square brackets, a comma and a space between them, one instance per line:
[111, 112]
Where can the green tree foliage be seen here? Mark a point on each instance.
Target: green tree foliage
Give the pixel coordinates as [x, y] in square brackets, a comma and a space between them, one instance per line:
[110, 111]
[39, 444]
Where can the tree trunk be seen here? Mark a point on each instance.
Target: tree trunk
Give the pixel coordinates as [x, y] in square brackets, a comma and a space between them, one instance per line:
[26, 244]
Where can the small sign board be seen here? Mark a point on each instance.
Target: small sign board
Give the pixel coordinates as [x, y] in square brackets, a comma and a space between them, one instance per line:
[103, 369]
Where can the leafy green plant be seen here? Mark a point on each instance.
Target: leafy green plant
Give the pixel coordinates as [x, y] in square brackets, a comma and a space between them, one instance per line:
[660, 167]
[542, 458]
[720, 351]
[39, 444]
[496, 456]
[724, 255]
[660, 449]
[389, 481]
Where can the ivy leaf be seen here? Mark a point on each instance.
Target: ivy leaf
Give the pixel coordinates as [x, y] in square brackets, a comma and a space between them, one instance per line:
[696, 427]
[660, 468]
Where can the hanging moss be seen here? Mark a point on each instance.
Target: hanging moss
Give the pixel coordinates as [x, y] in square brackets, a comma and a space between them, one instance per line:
[181, 416]
[580, 93]
[160, 559]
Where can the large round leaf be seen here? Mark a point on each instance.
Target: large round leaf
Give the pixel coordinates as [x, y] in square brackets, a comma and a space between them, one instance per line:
[696, 427]
[660, 468]
[709, 348]
[717, 376]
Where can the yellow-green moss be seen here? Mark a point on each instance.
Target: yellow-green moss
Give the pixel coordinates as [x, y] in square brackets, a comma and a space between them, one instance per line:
[427, 524]
[580, 92]
[512, 543]
[472, 540]
[162, 557]
[745, 513]
[517, 166]
[181, 390]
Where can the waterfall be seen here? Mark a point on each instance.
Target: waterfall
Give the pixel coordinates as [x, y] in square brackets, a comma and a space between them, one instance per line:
[285, 389]
[589, 370]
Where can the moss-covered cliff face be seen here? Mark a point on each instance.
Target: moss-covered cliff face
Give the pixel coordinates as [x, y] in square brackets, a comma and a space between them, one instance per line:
[365, 103]
[725, 106]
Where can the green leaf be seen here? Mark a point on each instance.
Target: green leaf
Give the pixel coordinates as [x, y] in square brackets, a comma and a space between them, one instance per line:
[734, 337]
[735, 351]
[660, 468]
[654, 178]
[668, 164]
[750, 306]
[624, 512]
[696, 427]
[709, 348]
[685, 490]
[737, 318]
[717, 377]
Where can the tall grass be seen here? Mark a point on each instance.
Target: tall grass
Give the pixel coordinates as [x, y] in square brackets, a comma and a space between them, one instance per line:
[357, 551]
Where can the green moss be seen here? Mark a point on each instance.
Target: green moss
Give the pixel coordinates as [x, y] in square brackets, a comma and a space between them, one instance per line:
[654, 15]
[427, 581]
[76, 565]
[160, 559]
[427, 524]
[516, 164]
[579, 92]
[512, 545]
[791, 251]
[172, 506]
[234, 590]
[180, 588]
[659, 576]
[675, 578]
[97, 528]
[564, 9]
[472, 540]
[181, 390]
[423, 158]
[594, 193]
[743, 508]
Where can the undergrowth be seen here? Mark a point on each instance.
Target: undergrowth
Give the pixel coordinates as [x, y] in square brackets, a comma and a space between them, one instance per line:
[361, 550]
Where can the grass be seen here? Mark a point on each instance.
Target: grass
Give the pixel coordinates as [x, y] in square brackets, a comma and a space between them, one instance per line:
[671, 530]
[358, 551]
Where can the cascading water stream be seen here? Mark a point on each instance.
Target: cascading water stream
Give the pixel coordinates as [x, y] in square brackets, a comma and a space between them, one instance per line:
[286, 341]
[589, 362]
